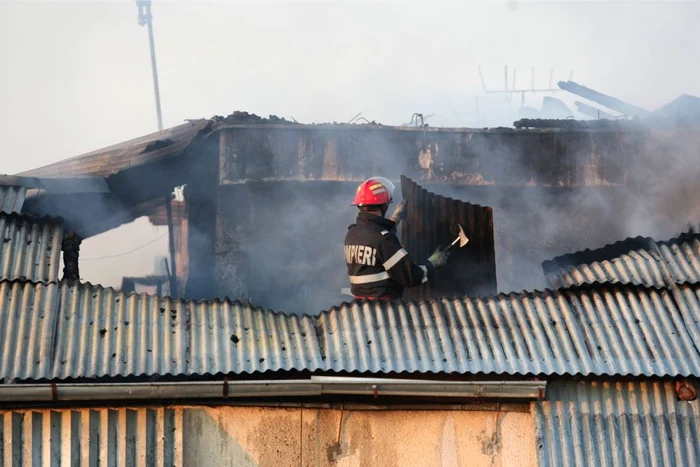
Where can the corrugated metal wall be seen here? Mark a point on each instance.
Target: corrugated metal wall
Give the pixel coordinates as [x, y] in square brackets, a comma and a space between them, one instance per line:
[30, 248]
[112, 437]
[27, 327]
[12, 198]
[433, 220]
[616, 424]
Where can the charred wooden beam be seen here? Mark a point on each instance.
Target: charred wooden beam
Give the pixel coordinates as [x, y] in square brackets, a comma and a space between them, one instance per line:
[171, 244]
[602, 99]
[71, 253]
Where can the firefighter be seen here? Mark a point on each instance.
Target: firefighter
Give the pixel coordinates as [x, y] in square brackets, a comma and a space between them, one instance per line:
[378, 266]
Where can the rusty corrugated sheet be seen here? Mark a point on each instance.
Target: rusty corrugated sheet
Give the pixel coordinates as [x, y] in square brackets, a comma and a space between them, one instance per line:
[116, 158]
[640, 261]
[105, 436]
[106, 333]
[12, 198]
[433, 220]
[616, 424]
[27, 329]
[30, 249]
[612, 330]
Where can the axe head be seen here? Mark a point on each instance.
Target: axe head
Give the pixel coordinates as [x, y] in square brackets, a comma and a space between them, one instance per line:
[463, 240]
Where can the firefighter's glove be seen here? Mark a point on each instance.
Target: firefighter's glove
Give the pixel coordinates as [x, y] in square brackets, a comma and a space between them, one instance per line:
[439, 258]
[399, 212]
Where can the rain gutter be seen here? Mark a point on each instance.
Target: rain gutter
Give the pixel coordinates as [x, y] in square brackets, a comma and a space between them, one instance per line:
[316, 386]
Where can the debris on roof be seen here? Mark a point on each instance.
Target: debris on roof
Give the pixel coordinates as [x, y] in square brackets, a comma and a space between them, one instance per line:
[610, 102]
[240, 117]
[580, 125]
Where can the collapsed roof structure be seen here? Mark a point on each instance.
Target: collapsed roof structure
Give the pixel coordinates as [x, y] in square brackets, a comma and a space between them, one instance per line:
[606, 352]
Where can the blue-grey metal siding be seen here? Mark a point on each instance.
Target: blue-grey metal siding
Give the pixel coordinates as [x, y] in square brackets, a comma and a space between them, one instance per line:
[12, 198]
[30, 248]
[615, 330]
[103, 332]
[636, 261]
[73, 331]
[27, 327]
[616, 424]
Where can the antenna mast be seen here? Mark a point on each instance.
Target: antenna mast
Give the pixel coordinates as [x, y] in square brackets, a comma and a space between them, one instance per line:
[145, 18]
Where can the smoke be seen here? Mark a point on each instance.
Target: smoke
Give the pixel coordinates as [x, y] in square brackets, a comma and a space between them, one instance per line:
[359, 60]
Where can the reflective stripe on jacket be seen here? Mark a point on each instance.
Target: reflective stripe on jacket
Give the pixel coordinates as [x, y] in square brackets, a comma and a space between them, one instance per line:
[377, 263]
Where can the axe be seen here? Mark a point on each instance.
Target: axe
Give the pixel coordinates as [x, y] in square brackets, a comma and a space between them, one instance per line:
[461, 238]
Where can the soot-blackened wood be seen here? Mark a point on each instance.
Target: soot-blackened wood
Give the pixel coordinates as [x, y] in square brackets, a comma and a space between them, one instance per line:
[433, 220]
[71, 253]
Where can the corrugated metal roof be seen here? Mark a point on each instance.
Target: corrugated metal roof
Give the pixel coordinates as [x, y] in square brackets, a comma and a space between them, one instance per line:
[109, 436]
[27, 324]
[12, 198]
[232, 337]
[433, 220]
[640, 261]
[103, 332]
[30, 249]
[113, 159]
[98, 332]
[612, 330]
[616, 424]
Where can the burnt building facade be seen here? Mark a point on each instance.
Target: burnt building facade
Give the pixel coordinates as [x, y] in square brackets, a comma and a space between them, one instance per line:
[267, 204]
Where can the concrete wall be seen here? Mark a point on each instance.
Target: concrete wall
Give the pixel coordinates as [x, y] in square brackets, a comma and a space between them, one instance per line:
[276, 437]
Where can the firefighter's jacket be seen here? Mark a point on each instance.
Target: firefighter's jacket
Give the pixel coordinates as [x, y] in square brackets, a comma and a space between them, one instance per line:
[378, 265]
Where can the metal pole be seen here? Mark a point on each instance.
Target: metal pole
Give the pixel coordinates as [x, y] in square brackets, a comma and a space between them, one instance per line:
[155, 74]
[146, 18]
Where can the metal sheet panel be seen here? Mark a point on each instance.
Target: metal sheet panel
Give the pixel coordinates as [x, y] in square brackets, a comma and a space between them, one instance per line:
[640, 261]
[12, 198]
[682, 257]
[30, 249]
[124, 436]
[106, 333]
[27, 323]
[433, 220]
[236, 338]
[103, 332]
[615, 330]
[616, 424]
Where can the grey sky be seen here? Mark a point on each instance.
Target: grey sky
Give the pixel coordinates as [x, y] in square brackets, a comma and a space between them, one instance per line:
[76, 75]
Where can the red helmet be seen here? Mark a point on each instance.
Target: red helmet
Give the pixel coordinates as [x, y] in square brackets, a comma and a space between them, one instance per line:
[374, 191]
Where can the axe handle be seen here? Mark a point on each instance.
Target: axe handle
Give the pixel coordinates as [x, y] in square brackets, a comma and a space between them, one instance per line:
[452, 244]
